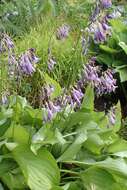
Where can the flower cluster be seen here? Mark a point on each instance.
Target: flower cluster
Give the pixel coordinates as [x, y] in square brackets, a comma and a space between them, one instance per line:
[100, 30]
[27, 62]
[7, 46]
[6, 43]
[107, 83]
[103, 82]
[106, 4]
[52, 110]
[77, 96]
[63, 32]
[52, 106]
[99, 26]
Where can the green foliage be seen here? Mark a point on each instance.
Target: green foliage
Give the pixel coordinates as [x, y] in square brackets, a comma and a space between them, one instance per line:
[114, 52]
[79, 148]
[18, 16]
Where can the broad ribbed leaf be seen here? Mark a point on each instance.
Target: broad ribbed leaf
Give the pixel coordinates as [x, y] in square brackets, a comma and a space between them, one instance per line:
[123, 73]
[115, 166]
[94, 143]
[40, 171]
[108, 49]
[18, 134]
[88, 101]
[123, 46]
[98, 179]
[73, 149]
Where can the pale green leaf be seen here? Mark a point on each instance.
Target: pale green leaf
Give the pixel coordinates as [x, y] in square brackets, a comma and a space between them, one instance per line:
[88, 101]
[40, 171]
[73, 149]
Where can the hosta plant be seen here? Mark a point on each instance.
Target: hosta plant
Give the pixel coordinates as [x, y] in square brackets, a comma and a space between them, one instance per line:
[76, 150]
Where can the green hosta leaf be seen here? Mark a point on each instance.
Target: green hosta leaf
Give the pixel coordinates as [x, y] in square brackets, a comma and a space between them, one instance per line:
[5, 117]
[88, 101]
[14, 100]
[118, 146]
[1, 187]
[118, 117]
[76, 118]
[123, 73]
[40, 171]
[72, 186]
[117, 63]
[32, 116]
[123, 46]
[56, 188]
[6, 165]
[98, 179]
[108, 49]
[94, 143]
[57, 89]
[115, 166]
[73, 149]
[14, 180]
[122, 154]
[105, 58]
[18, 133]
[117, 25]
[46, 135]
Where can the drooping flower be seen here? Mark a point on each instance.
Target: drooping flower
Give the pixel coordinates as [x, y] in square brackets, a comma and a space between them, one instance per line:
[85, 42]
[4, 99]
[63, 32]
[90, 73]
[100, 32]
[112, 116]
[6, 42]
[77, 96]
[51, 63]
[108, 81]
[52, 110]
[28, 62]
[103, 82]
[106, 3]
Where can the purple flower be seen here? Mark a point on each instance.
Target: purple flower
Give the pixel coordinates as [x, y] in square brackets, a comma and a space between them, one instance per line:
[112, 116]
[77, 96]
[105, 26]
[106, 3]
[99, 34]
[7, 42]
[26, 65]
[90, 74]
[63, 32]
[107, 83]
[52, 110]
[85, 44]
[4, 99]
[51, 62]
[115, 14]
[28, 61]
